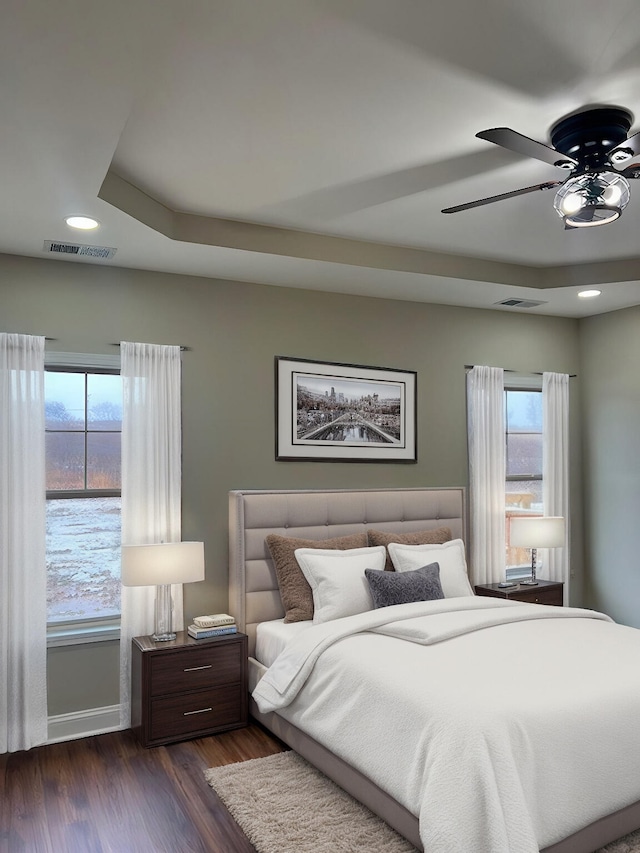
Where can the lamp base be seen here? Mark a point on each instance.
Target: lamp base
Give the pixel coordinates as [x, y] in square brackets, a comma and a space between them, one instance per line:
[164, 609]
[162, 638]
[532, 580]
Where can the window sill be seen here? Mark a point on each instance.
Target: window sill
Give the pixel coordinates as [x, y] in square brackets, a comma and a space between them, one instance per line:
[76, 633]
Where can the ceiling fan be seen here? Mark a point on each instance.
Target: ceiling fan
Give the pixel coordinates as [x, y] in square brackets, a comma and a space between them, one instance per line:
[590, 145]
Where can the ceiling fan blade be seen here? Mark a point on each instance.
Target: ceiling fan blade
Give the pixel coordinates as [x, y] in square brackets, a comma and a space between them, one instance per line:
[631, 144]
[546, 186]
[514, 141]
[631, 172]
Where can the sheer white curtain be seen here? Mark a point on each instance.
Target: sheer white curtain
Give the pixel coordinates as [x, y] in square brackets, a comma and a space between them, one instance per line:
[485, 413]
[555, 468]
[23, 572]
[151, 482]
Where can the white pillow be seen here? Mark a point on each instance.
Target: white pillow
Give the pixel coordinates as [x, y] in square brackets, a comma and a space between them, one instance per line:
[337, 579]
[449, 556]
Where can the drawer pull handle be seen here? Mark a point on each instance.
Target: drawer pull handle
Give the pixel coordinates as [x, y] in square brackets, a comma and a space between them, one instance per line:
[193, 668]
[201, 711]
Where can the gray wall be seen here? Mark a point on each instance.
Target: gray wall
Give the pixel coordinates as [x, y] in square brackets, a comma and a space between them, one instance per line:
[234, 331]
[610, 367]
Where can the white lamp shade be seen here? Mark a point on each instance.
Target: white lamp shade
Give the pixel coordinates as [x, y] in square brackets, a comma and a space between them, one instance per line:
[542, 532]
[165, 563]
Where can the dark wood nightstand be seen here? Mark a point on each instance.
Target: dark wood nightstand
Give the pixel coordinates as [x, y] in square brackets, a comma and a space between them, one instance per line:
[187, 688]
[546, 592]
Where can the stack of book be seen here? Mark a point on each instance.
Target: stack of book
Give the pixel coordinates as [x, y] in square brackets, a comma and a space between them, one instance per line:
[216, 625]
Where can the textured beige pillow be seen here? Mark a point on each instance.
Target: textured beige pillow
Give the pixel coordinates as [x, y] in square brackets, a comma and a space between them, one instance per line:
[437, 536]
[295, 592]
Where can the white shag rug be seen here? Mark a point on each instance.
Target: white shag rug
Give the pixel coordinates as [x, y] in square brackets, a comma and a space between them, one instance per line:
[283, 805]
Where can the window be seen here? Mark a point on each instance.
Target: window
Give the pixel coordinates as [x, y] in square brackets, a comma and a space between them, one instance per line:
[523, 442]
[83, 423]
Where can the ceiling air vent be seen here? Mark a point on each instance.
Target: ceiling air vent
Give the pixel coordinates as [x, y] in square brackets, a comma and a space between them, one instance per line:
[104, 253]
[520, 303]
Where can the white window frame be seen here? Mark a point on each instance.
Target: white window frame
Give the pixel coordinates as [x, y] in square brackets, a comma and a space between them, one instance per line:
[98, 629]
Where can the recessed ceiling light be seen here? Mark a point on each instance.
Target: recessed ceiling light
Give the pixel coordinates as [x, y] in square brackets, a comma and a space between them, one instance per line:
[589, 294]
[85, 223]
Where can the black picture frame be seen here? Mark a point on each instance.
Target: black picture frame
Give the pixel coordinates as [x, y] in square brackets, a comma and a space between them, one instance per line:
[335, 412]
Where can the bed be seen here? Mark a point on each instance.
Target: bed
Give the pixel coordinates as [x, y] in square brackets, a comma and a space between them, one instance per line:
[254, 600]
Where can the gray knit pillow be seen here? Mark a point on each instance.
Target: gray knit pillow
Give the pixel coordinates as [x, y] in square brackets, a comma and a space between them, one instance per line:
[389, 588]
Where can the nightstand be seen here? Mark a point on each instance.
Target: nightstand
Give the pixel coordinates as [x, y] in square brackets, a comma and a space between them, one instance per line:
[187, 688]
[546, 592]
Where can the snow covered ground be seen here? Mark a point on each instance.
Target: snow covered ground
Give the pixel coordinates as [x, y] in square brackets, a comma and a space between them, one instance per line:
[83, 558]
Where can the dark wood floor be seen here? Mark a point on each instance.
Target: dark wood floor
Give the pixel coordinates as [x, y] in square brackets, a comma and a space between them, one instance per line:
[107, 794]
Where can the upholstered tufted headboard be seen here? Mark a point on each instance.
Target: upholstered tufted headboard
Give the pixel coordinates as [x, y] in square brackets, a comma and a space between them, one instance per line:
[322, 514]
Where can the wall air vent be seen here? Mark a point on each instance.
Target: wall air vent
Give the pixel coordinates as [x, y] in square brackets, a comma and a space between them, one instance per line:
[520, 303]
[78, 250]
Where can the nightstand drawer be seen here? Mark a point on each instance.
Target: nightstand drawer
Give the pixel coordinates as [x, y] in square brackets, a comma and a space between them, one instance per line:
[175, 672]
[204, 710]
[540, 596]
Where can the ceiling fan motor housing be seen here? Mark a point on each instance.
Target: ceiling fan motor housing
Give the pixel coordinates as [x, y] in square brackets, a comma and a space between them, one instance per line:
[589, 136]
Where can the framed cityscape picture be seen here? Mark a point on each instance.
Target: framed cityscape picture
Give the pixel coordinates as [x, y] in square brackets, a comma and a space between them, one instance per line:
[330, 412]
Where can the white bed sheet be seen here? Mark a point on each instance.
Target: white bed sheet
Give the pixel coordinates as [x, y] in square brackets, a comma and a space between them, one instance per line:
[272, 638]
[496, 719]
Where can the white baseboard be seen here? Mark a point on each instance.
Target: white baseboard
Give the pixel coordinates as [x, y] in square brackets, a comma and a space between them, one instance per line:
[93, 721]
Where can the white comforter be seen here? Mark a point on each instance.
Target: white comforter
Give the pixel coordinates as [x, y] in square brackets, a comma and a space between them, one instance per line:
[504, 727]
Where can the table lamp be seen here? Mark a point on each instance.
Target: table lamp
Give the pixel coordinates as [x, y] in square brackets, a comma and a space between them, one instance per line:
[536, 532]
[161, 565]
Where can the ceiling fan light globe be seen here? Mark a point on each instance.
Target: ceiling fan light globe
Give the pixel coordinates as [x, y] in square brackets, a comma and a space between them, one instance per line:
[612, 195]
[616, 191]
[572, 203]
[592, 199]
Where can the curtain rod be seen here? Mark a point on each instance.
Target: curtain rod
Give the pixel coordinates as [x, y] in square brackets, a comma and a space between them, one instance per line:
[523, 372]
[182, 349]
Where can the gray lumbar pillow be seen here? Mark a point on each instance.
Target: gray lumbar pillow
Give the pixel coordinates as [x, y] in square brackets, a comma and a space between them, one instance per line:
[389, 588]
